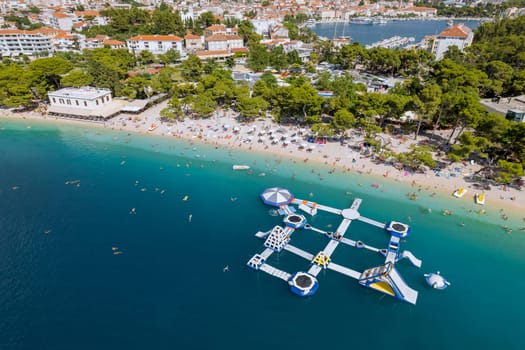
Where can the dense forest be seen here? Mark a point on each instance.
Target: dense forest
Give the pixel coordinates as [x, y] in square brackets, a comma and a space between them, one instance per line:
[443, 94]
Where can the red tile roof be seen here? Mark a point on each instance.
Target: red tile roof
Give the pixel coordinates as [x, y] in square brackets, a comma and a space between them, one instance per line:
[458, 31]
[211, 53]
[155, 38]
[191, 36]
[240, 49]
[217, 27]
[60, 15]
[223, 37]
[112, 42]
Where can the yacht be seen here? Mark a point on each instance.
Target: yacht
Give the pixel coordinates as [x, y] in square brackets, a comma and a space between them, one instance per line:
[362, 20]
[310, 23]
[380, 20]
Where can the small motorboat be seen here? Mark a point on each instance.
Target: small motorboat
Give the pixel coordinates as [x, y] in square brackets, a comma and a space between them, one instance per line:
[480, 198]
[185, 198]
[153, 127]
[436, 281]
[241, 167]
[460, 192]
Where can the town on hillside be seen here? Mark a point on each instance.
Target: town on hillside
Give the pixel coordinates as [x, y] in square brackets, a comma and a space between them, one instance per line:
[97, 60]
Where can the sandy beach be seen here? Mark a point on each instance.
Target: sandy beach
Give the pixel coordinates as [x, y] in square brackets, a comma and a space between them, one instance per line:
[262, 135]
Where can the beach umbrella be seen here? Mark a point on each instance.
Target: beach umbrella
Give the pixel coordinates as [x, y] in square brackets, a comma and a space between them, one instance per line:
[276, 196]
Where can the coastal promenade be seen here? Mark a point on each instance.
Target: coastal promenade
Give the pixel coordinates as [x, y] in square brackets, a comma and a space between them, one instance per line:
[288, 142]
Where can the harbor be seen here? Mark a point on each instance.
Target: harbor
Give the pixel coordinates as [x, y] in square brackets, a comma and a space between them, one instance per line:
[384, 277]
[369, 34]
[393, 42]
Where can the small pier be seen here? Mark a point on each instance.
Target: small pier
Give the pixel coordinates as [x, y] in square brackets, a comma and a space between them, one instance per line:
[275, 272]
[384, 278]
[393, 42]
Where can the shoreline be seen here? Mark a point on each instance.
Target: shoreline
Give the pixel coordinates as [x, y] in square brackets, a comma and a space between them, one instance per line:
[403, 19]
[333, 158]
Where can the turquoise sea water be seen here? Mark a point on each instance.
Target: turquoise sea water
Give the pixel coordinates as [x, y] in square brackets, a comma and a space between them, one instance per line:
[61, 287]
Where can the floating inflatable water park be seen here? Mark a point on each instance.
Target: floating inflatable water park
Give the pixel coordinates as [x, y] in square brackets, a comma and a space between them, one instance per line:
[384, 278]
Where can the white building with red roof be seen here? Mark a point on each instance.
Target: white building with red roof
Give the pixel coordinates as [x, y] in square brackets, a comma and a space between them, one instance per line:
[15, 42]
[62, 21]
[459, 35]
[64, 41]
[193, 42]
[156, 44]
[223, 42]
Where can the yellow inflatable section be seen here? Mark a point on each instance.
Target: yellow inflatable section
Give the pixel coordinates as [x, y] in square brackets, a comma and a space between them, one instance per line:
[382, 287]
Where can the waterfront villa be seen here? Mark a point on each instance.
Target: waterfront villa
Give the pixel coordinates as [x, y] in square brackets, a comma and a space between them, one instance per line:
[84, 103]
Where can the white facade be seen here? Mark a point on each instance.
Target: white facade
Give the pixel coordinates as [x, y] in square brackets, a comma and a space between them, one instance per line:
[262, 26]
[156, 44]
[85, 98]
[67, 42]
[223, 42]
[61, 21]
[458, 35]
[14, 42]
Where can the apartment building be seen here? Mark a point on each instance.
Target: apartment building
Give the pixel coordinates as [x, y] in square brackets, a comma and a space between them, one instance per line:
[223, 42]
[156, 44]
[62, 21]
[14, 42]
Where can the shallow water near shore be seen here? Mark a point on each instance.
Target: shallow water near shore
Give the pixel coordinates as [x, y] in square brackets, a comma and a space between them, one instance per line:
[61, 286]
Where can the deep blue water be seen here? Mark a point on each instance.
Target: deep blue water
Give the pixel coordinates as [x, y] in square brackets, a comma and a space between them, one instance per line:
[65, 289]
[366, 34]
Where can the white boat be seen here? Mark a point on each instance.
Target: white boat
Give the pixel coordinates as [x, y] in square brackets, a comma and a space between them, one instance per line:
[310, 23]
[241, 167]
[380, 20]
[460, 192]
[362, 20]
[480, 198]
[153, 127]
